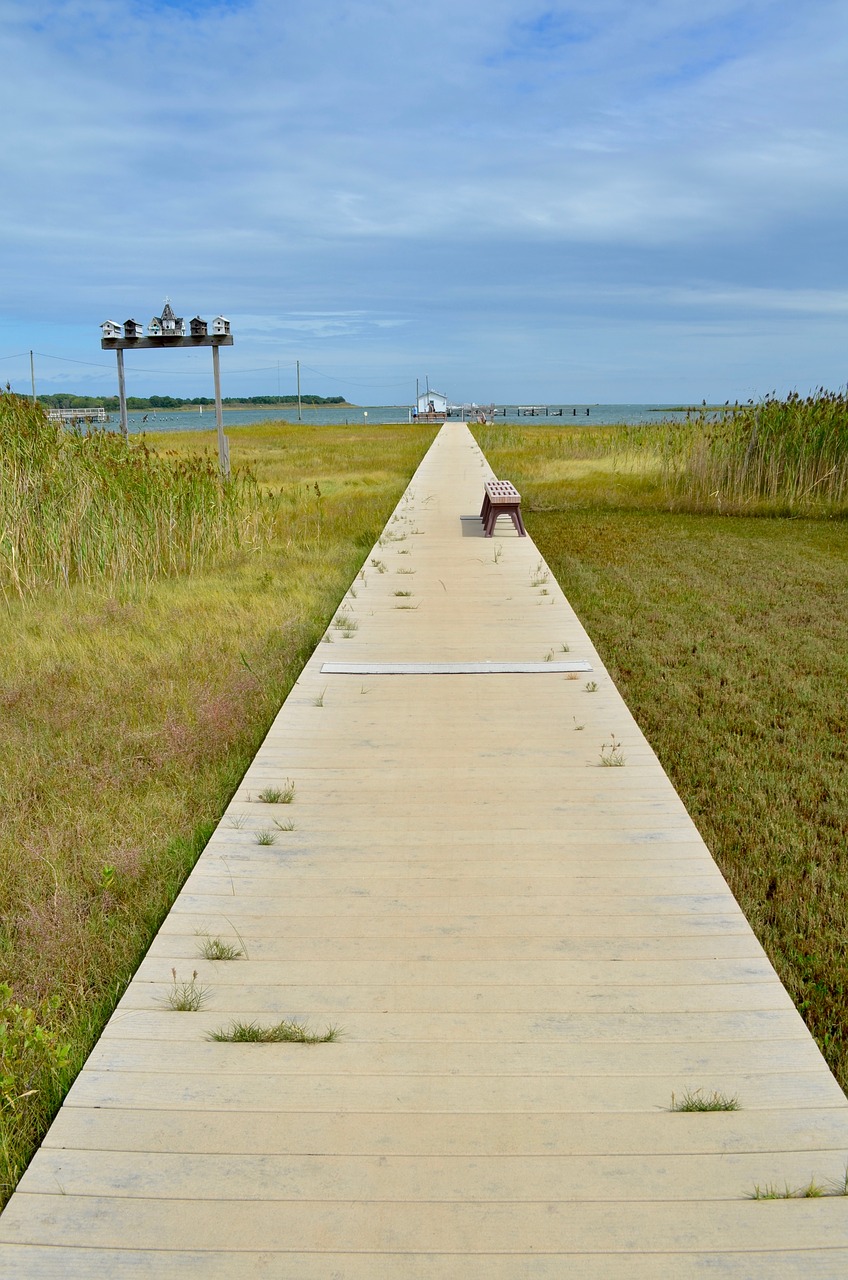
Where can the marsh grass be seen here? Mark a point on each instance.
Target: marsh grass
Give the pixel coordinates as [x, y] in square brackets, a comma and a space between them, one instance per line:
[787, 455]
[90, 508]
[125, 728]
[777, 457]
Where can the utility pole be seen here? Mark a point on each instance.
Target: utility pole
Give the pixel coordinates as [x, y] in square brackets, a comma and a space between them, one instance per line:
[32, 375]
[299, 414]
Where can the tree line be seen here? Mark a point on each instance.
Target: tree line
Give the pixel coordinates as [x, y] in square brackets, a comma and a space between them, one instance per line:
[64, 400]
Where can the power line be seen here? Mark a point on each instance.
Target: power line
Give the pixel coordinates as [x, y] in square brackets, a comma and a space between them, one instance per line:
[146, 371]
[357, 382]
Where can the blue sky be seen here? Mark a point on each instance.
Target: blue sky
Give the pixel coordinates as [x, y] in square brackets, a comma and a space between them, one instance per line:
[604, 200]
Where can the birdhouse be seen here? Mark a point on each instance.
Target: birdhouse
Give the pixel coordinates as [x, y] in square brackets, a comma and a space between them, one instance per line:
[220, 325]
[110, 329]
[132, 329]
[198, 327]
[172, 326]
[154, 329]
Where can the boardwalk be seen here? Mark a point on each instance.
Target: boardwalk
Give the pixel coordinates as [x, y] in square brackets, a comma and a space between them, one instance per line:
[529, 953]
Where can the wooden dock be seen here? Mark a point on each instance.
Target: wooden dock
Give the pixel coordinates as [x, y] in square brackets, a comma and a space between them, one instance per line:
[529, 954]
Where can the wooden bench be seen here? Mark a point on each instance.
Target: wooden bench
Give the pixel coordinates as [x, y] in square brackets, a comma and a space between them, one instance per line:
[501, 498]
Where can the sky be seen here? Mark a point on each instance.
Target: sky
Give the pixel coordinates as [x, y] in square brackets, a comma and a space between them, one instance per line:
[615, 201]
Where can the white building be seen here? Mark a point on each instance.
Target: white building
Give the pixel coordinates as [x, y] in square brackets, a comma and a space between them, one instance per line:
[431, 401]
[220, 325]
[110, 329]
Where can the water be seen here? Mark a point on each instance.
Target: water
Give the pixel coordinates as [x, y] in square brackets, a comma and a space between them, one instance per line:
[328, 415]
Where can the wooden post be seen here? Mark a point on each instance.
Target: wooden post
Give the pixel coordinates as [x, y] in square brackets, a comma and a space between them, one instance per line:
[299, 413]
[122, 394]
[223, 450]
[32, 375]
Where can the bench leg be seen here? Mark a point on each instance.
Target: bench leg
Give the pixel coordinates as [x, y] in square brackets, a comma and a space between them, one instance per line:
[515, 512]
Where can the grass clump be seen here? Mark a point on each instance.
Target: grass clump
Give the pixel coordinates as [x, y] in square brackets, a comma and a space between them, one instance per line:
[697, 1100]
[612, 755]
[812, 1190]
[187, 996]
[217, 949]
[285, 1032]
[278, 795]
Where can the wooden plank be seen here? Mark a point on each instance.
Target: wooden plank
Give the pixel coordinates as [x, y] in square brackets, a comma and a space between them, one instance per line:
[425, 1093]
[513, 1229]
[61, 1263]
[407, 1179]
[651, 1133]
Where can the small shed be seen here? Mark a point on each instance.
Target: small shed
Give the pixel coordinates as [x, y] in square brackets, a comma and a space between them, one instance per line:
[132, 329]
[154, 329]
[220, 325]
[431, 401]
[110, 329]
[198, 327]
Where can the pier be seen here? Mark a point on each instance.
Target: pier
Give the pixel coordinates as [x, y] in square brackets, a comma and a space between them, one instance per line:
[95, 414]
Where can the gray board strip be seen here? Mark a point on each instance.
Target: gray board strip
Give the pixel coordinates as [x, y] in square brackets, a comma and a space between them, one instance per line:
[449, 668]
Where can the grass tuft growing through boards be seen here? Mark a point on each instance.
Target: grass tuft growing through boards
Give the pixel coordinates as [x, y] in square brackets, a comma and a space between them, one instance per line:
[285, 1032]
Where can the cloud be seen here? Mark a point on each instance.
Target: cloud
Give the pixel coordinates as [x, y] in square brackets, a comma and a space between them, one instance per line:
[337, 174]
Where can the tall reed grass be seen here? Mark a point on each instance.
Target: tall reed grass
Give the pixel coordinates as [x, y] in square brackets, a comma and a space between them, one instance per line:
[788, 455]
[777, 457]
[90, 508]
